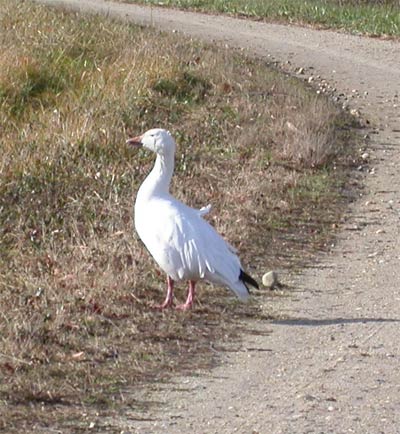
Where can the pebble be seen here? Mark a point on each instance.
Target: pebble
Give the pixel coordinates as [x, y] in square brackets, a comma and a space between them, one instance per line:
[270, 279]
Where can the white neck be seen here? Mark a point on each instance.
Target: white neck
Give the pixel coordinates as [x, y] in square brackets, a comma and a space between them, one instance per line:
[158, 181]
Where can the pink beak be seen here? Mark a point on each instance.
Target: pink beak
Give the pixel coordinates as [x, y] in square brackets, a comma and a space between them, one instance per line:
[135, 141]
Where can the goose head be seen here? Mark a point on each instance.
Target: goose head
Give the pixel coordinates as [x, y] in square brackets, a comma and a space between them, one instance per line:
[157, 140]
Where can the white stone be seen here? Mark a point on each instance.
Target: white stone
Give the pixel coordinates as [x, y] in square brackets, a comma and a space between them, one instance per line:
[270, 279]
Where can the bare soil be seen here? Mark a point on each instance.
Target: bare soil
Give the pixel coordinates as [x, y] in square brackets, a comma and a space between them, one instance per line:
[332, 364]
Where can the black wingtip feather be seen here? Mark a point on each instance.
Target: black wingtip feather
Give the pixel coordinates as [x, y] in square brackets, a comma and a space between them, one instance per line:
[245, 278]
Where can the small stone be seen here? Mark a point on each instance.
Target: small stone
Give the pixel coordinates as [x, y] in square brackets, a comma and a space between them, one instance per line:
[300, 71]
[310, 79]
[365, 156]
[270, 279]
[291, 127]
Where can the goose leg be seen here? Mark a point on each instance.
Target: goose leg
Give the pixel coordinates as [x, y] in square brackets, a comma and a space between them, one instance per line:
[190, 297]
[168, 302]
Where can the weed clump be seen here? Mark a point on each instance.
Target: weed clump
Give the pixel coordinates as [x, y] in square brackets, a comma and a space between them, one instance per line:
[185, 87]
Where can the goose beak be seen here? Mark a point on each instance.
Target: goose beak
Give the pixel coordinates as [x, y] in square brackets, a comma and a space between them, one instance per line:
[135, 141]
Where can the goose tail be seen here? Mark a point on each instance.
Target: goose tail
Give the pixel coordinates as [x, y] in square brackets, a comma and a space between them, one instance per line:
[247, 280]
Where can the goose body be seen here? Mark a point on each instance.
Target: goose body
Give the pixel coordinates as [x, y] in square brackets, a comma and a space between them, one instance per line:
[184, 245]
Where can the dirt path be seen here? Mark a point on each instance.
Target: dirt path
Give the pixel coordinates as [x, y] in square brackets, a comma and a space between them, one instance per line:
[334, 366]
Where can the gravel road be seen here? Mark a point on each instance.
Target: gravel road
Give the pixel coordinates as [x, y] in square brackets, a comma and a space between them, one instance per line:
[334, 366]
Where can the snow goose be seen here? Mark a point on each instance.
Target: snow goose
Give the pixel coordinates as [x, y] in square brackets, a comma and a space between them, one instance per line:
[185, 246]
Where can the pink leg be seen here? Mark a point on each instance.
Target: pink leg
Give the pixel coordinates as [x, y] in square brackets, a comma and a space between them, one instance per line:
[190, 297]
[170, 296]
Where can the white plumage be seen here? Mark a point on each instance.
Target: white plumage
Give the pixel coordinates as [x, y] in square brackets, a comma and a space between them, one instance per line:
[184, 245]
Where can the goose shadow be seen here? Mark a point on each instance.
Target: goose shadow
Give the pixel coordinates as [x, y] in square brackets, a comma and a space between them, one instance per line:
[310, 322]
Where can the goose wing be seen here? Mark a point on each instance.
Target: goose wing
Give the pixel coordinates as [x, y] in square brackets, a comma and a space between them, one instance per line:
[185, 245]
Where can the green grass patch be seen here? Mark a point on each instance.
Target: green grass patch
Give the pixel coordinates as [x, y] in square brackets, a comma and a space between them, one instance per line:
[186, 87]
[371, 17]
[76, 284]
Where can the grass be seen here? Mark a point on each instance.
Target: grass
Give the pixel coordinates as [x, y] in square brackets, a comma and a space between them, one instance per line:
[371, 17]
[76, 329]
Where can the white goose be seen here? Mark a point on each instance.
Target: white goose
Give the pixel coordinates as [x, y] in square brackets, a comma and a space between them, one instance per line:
[184, 245]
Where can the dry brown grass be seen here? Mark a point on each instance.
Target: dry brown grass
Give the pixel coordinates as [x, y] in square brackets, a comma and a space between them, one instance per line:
[75, 283]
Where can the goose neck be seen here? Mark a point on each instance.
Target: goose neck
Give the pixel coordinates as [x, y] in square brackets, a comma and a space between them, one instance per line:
[159, 179]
